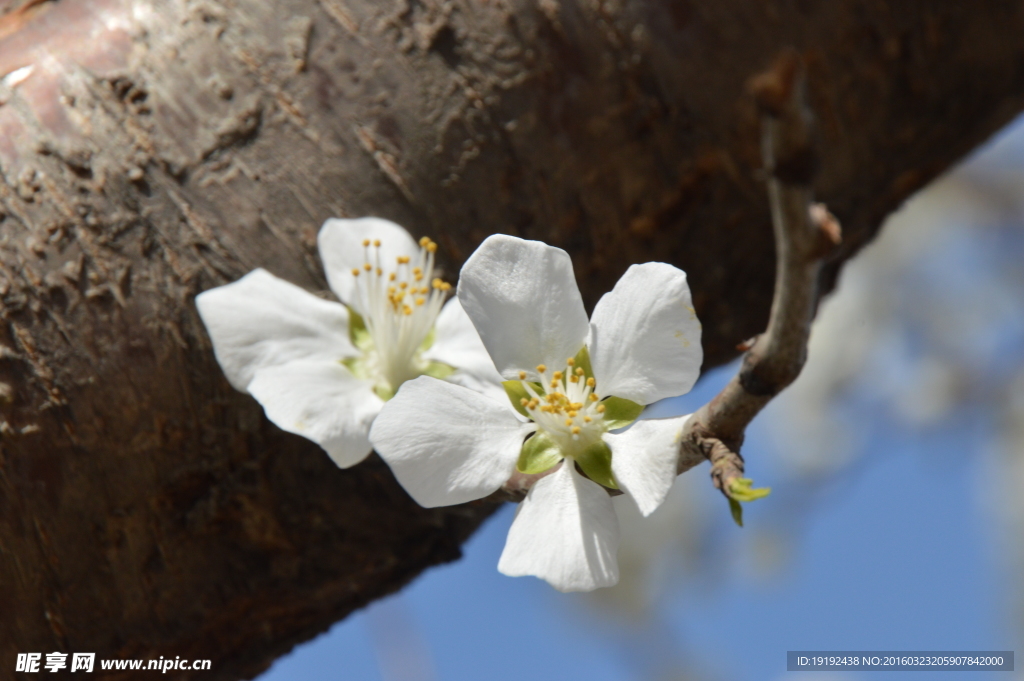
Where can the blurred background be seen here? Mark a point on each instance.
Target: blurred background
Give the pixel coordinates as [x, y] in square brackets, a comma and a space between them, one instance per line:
[895, 522]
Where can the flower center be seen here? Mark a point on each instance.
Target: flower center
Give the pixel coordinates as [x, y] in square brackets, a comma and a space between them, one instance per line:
[399, 310]
[568, 409]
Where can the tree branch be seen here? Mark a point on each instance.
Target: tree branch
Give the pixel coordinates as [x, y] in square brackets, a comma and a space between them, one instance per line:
[805, 233]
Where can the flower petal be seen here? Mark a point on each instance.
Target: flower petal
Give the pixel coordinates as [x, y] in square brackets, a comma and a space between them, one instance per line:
[447, 444]
[644, 459]
[341, 249]
[321, 401]
[457, 343]
[565, 532]
[261, 321]
[644, 335]
[523, 299]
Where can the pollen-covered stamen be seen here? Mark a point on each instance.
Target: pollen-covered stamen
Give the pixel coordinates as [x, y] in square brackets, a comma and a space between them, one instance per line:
[568, 409]
[399, 309]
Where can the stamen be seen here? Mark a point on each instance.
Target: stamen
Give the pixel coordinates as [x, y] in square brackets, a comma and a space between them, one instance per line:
[355, 271]
[591, 382]
[587, 419]
[524, 402]
[600, 409]
[594, 397]
[376, 243]
[568, 422]
[576, 430]
[557, 376]
[570, 361]
[541, 368]
[367, 266]
[579, 371]
[366, 243]
[522, 375]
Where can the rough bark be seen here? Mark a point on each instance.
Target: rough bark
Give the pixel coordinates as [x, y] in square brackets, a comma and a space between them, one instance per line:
[156, 149]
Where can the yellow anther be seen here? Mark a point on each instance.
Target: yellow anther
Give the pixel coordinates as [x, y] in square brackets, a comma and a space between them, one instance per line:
[570, 361]
[574, 379]
[557, 376]
[420, 301]
[417, 271]
[576, 406]
[541, 368]
[554, 384]
[407, 310]
[587, 419]
[403, 260]
[600, 409]
[367, 266]
[392, 276]
[579, 371]
[576, 430]
[522, 375]
[523, 401]
[379, 271]
[424, 240]
[403, 285]
[355, 271]
[376, 243]
[572, 414]
[366, 242]
[568, 422]
[593, 397]
[591, 382]
[431, 247]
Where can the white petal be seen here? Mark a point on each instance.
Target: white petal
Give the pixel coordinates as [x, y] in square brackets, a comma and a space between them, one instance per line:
[644, 336]
[644, 459]
[321, 401]
[341, 249]
[523, 299]
[447, 444]
[261, 321]
[565, 532]
[457, 344]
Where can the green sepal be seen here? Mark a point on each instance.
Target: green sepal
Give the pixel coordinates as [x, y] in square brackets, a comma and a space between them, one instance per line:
[620, 412]
[582, 360]
[737, 512]
[357, 331]
[539, 453]
[516, 392]
[438, 370]
[356, 366]
[742, 489]
[596, 462]
[429, 340]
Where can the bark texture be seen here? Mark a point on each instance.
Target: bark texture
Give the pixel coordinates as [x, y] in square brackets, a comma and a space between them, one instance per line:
[150, 150]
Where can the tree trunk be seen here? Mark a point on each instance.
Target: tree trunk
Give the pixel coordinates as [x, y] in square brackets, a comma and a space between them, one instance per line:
[151, 150]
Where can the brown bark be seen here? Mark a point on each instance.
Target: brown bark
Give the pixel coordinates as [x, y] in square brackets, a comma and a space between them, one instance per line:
[157, 149]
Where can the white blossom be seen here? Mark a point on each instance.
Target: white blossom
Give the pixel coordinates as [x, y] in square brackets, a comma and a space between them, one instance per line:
[323, 370]
[573, 386]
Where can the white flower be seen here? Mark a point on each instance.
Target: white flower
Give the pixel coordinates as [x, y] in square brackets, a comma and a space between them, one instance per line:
[573, 384]
[324, 370]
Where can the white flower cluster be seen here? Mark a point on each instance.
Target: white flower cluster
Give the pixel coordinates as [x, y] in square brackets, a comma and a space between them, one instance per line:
[507, 376]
